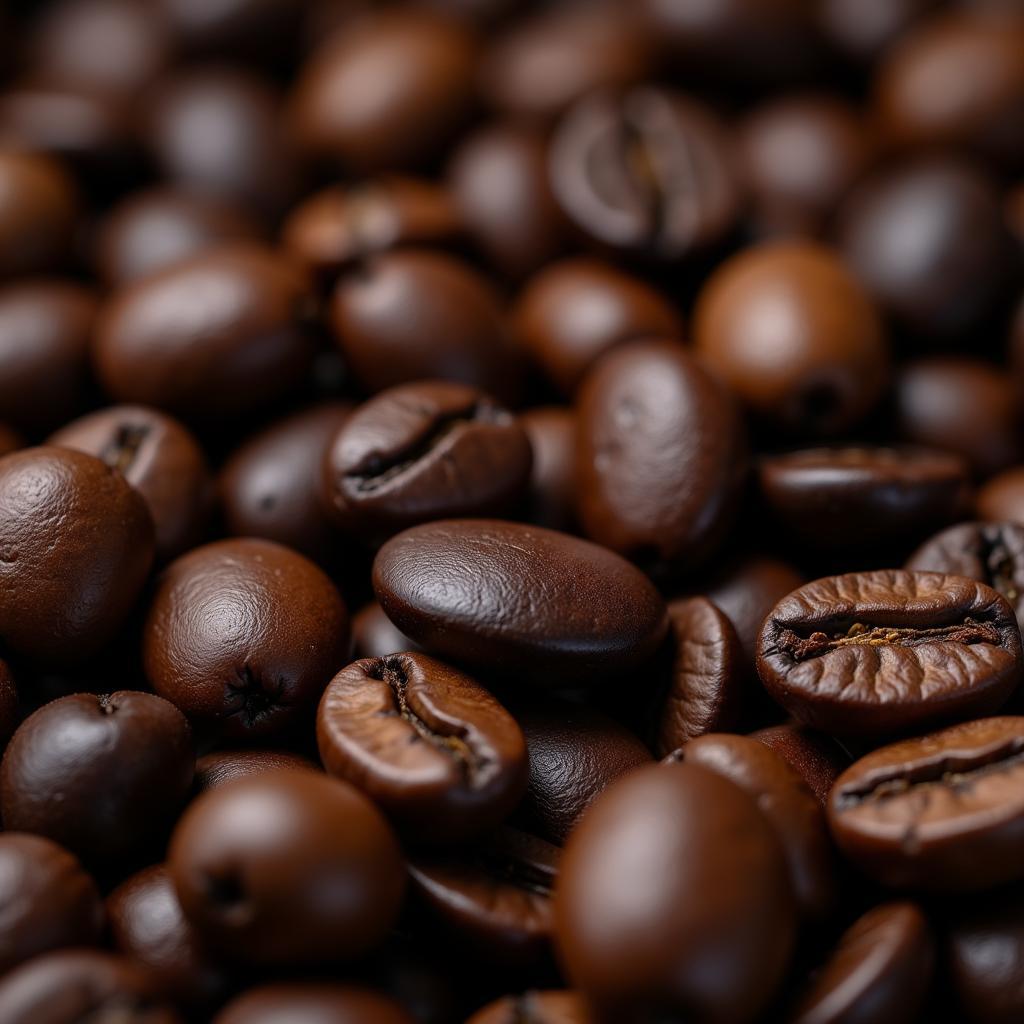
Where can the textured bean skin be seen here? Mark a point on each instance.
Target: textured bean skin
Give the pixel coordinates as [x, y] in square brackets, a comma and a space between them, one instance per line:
[312, 1004]
[516, 599]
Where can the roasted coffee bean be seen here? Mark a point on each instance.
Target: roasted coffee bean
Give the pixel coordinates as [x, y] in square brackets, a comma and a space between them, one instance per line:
[160, 458]
[1001, 499]
[795, 337]
[573, 311]
[428, 744]
[842, 498]
[49, 900]
[424, 451]
[76, 545]
[534, 1008]
[374, 635]
[520, 600]
[100, 775]
[674, 899]
[879, 971]
[942, 811]
[222, 766]
[551, 494]
[244, 635]
[875, 653]
[312, 1004]
[818, 759]
[706, 674]
[494, 898]
[787, 803]
[287, 867]
[866, 28]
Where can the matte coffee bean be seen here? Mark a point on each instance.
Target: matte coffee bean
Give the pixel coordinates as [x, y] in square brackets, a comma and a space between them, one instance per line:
[818, 759]
[287, 867]
[100, 775]
[551, 494]
[221, 766]
[424, 451]
[493, 898]
[660, 457]
[674, 899]
[878, 973]
[706, 674]
[534, 1008]
[1001, 498]
[428, 744]
[519, 599]
[941, 812]
[312, 1004]
[50, 902]
[374, 635]
[243, 344]
[76, 545]
[876, 653]
[646, 174]
[244, 635]
[160, 458]
[575, 310]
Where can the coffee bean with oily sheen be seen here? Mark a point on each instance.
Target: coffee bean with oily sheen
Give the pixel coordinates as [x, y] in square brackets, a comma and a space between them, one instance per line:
[76, 546]
[547, 1007]
[818, 759]
[943, 812]
[875, 653]
[878, 973]
[661, 455]
[423, 451]
[674, 900]
[244, 635]
[790, 807]
[287, 867]
[321, 1003]
[533, 604]
[427, 743]
[220, 766]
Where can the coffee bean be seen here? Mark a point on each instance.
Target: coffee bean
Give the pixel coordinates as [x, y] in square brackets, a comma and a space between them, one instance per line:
[534, 1008]
[1001, 498]
[551, 493]
[223, 766]
[864, 29]
[882, 652]
[311, 1004]
[818, 759]
[374, 635]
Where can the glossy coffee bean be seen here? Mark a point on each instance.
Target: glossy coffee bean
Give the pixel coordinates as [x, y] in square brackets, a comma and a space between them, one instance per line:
[1002, 497]
[45, 329]
[386, 92]
[51, 903]
[418, 315]
[865, 29]
[76, 543]
[788, 805]
[661, 455]
[151, 230]
[270, 486]
[428, 744]
[534, 1008]
[424, 451]
[878, 973]
[836, 498]
[955, 793]
[618, 173]
[99, 775]
[551, 494]
[312, 1004]
[221, 766]
[38, 211]
[575, 752]
[880, 652]
[575, 310]
[818, 759]
[244, 634]
[492, 898]
[287, 867]
[374, 635]
[243, 344]
[519, 599]
[160, 458]
[795, 337]
[674, 899]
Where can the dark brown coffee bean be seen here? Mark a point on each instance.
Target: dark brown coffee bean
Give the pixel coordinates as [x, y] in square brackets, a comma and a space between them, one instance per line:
[768, 323]
[244, 635]
[575, 310]
[661, 455]
[428, 744]
[312, 1004]
[551, 498]
[647, 174]
[493, 898]
[874, 653]
[160, 458]
[76, 546]
[223, 766]
[287, 867]
[878, 973]
[534, 1008]
[943, 811]
[99, 775]
[242, 345]
[674, 899]
[519, 599]
[424, 451]
[1001, 498]
[374, 635]
[864, 29]
[818, 759]
[49, 900]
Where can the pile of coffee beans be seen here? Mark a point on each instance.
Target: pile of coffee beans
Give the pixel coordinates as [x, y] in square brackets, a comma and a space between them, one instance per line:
[511, 511]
